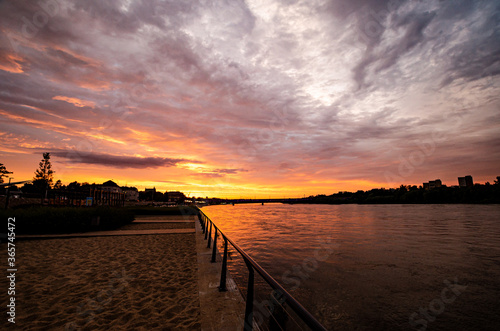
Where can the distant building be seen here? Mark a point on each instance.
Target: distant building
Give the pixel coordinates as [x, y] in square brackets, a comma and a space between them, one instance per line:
[131, 193]
[149, 193]
[432, 184]
[176, 196]
[111, 186]
[109, 193]
[435, 183]
[465, 181]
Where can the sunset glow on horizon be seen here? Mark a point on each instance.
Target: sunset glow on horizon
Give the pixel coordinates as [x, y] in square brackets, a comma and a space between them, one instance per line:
[251, 98]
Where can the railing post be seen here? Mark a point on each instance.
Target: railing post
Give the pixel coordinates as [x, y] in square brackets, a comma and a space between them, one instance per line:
[209, 236]
[222, 285]
[214, 249]
[249, 302]
[206, 231]
[202, 223]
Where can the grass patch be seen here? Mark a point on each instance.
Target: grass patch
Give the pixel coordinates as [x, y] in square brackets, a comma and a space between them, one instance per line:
[49, 220]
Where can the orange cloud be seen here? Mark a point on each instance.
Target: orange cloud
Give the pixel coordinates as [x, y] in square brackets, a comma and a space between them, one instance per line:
[75, 101]
[94, 85]
[102, 136]
[11, 63]
[37, 123]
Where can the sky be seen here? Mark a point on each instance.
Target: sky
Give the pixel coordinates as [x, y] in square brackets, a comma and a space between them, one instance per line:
[251, 98]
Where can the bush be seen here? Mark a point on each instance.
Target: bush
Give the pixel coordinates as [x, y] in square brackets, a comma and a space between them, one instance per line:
[45, 220]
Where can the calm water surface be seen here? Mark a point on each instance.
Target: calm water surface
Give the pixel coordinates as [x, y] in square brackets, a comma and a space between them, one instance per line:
[377, 267]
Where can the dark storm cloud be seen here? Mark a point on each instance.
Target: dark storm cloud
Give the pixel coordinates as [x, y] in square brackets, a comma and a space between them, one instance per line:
[118, 161]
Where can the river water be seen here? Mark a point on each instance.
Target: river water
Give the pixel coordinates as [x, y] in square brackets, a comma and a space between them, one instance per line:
[376, 267]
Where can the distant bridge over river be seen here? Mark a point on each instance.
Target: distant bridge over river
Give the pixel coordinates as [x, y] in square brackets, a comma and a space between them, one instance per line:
[284, 200]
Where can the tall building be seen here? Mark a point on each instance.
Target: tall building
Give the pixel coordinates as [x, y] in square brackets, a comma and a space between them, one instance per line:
[433, 184]
[465, 181]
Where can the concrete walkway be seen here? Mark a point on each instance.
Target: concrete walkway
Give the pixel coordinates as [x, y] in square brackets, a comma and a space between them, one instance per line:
[218, 310]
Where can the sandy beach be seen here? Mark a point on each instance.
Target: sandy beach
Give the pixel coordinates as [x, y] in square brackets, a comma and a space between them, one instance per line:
[140, 282]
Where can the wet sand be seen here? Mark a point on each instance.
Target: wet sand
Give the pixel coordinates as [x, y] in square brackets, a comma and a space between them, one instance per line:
[141, 282]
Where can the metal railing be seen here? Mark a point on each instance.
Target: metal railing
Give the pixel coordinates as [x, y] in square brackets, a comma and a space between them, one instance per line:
[279, 293]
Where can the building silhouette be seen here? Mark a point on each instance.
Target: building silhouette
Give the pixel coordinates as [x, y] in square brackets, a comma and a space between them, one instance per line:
[111, 186]
[131, 193]
[432, 184]
[150, 193]
[176, 197]
[465, 181]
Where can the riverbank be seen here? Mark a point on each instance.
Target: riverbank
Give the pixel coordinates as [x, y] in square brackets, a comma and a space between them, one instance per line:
[477, 194]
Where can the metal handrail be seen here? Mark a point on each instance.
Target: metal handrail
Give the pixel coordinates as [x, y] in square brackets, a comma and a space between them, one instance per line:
[279, 293]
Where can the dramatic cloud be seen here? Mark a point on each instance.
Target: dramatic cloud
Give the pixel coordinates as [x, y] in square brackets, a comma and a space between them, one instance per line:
[117, 161]
[267, 96]
[77, 102]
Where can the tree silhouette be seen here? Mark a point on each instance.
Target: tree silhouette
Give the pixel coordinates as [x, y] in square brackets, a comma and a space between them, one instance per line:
[3, 172]
[44, 174]
[58, 185]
